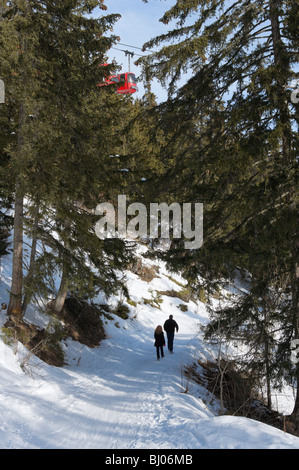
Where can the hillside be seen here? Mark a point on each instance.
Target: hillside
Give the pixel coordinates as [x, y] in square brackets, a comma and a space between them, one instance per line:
[117, 395]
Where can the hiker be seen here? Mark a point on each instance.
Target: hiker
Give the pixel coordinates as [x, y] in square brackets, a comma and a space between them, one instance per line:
[170, 326]
[159, 341]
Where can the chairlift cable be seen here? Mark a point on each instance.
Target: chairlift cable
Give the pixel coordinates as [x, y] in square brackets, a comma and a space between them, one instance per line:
[135, 47]
[122, 50]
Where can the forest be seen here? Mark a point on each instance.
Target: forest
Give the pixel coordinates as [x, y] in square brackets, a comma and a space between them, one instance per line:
[226, 139]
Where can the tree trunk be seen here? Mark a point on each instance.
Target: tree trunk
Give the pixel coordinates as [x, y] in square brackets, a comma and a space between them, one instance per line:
[267, 349]
[275, 28]
[268, 377]
[286, 147]
[62, 293]
[30, 275]
[15, 303]
[295, 301]
[279, 54]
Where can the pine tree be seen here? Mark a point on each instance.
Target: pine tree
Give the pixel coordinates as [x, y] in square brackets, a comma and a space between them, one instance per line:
[141, 141]
[243, 156]
[62, 121]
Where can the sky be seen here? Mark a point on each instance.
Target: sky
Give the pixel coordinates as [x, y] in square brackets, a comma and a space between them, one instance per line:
[139, 23]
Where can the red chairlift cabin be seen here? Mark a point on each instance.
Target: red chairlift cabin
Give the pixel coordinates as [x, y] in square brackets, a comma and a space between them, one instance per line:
[127, 82]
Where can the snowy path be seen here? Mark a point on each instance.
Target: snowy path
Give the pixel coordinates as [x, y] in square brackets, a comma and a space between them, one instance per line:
[118, 396]
[129, 398]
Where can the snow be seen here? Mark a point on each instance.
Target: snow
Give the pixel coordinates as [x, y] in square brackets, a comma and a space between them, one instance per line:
[118, 396]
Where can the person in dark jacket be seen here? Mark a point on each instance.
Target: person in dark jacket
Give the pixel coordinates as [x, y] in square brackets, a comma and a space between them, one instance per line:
[170, 326]
[159, 341]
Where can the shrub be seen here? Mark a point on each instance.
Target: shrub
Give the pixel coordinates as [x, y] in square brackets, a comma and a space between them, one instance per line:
[122, 311]
[183, 307]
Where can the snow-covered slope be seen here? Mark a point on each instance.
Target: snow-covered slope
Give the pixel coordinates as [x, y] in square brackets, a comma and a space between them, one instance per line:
[118, 396]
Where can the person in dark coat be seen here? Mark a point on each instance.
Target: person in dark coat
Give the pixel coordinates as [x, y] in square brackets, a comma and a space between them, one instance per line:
[159, 341]
[170, 326]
